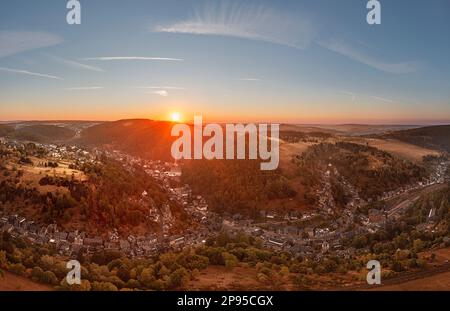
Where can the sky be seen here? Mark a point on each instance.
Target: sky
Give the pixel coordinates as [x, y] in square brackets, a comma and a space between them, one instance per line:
[230, 61]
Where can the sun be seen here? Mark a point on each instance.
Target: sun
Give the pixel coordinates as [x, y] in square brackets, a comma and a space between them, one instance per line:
[175, 117]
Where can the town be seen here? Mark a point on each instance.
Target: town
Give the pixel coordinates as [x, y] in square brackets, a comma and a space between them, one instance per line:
[308, 234]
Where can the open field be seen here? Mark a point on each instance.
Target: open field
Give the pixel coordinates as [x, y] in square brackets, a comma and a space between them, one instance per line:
[439, 282]
[435, 278]
[287, 152]
[12, 282]
[346, 129]
[32, 174]
[401, 149]
[222, 278]
[246, 278]
[62, 170]
[442, 255]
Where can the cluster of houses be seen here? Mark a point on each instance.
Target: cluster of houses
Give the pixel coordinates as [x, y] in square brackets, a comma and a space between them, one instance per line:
[72, 243]
[309, 242]
[324, 194]
[167, 174]
[58, 152]
[288, 231]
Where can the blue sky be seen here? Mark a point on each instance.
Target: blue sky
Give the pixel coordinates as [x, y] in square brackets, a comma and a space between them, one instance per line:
[279, 61]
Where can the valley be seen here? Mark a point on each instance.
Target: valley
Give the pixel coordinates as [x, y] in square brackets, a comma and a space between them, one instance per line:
[335, 200]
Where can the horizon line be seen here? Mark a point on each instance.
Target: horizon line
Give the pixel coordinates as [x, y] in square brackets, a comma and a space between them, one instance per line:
[374, 123]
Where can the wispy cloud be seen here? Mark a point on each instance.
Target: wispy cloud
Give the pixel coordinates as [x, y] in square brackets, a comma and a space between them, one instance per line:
[107, 58]
[351, 94]
[163, 93]
[245, 21]
[14, 42]
[383, 99]
[160, 90]
[355, 54]
[75, 64]
[354, 96]
[84, 88]
[249, 79]
[29, 73]
[160, 87]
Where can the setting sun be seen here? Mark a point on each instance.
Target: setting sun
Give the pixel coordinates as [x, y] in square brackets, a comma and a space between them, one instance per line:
[175, 117]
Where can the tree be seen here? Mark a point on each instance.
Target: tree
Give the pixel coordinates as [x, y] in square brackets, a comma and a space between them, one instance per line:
[85, 286]
[230, 260]
[418, 245]
[147, 277]
[359, 241]
[36, 274]
[49, 277]
[104, 287]
[3, 260]
[17, 268]
[178, 278]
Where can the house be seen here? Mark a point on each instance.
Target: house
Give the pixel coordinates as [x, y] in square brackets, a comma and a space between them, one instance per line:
[270, 215]
[177, 241]
[21, 222]
[377, 216]
[325, 246]
[64, 248]
[432, 215]
[124, 245]
[276, 242]
[72, 236]
[61, 236]
[76, 249]
[7, 228]
[111, 246]
[310, 232]
[93, 242]
[292, 230]
[175, 171]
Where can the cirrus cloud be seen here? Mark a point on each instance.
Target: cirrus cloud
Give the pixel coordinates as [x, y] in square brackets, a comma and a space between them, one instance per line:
[30, 73]
[357, 55]
[245, 21]
[84, 88]
[109, 58]
[14, 42]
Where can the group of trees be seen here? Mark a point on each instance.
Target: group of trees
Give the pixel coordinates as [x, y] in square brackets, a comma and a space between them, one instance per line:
[296, 136]
[110, 197]
[398, 243]
[235, 186]
[369, 169]
[396, 248]
[51, 164]
[110, 270]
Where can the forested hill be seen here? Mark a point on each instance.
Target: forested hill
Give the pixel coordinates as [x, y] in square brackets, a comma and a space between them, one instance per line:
[433, 137]
[141, 137]
[40, 133]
